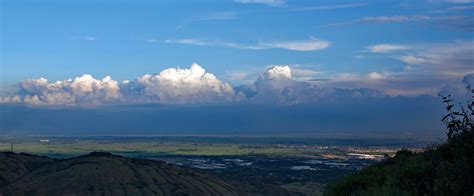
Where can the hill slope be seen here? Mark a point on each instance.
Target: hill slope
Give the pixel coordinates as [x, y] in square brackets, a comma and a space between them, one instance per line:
[102, 174]
[445, 170]
[13, 166]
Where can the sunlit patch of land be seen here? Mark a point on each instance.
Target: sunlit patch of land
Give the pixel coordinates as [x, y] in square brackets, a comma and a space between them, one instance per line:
[192, 147]
[296, 164]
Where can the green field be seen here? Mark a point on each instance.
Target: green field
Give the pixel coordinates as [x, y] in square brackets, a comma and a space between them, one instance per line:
[150, 147]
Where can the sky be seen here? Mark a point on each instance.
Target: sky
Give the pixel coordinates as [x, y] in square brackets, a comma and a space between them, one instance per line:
[233, 58]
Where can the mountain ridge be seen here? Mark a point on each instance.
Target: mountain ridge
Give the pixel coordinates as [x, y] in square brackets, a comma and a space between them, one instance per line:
[105, 174]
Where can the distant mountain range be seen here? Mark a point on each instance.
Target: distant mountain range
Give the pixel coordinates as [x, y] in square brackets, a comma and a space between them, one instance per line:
[100, 173]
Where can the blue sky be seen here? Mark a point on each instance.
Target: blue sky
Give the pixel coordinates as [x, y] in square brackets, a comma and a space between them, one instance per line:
[126, 39]
[320, 54]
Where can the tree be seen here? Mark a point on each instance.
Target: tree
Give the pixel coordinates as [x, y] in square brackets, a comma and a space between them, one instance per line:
[458, 122]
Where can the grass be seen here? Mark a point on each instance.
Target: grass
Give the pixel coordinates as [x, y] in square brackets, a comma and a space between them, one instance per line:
[445, 170]
[171, 148]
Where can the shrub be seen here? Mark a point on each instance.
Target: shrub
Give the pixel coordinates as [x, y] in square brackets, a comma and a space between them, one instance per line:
[447, 169]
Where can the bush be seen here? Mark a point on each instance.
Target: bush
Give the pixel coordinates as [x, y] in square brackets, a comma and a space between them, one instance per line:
[445, 170]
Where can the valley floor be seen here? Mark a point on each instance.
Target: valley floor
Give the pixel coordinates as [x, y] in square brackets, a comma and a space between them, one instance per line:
[297, 165]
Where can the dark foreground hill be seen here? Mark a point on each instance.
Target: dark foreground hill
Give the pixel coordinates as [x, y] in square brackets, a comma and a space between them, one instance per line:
[445, 170]
[102, 174]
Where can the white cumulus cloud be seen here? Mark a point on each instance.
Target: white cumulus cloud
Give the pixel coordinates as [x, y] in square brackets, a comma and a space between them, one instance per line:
[84, 90]
[277, 86]
[173, 85]
[176, 85]
[10, 99]
[277, 72]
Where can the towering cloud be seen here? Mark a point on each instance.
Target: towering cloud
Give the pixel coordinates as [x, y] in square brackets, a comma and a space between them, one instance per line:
[276, 73]
[175, 85]
[81, 90]
[275, 85]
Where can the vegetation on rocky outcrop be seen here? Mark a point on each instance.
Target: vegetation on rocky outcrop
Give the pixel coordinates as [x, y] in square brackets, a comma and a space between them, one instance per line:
[102, 174]
[447, 169]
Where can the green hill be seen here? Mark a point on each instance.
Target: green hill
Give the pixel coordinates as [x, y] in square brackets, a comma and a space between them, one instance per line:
[447, 169]
[102, 174]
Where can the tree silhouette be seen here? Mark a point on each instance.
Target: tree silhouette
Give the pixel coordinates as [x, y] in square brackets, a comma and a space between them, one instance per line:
[446, 169]
[458, 122]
